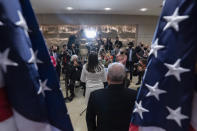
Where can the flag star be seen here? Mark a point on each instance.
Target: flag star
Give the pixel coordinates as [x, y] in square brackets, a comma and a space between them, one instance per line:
[22, 23]
[176, 115]
[155, 47]
[1, 23]
[174, 20]
[43, 87]
[154, 91]
[34, 59]
[139, 109]
[4, 61]
[175, 70]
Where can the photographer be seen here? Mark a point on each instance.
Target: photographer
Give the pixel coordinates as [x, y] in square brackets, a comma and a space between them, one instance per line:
[139, 69]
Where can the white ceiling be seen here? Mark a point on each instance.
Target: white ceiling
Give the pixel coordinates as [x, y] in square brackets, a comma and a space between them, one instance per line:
[130, 7]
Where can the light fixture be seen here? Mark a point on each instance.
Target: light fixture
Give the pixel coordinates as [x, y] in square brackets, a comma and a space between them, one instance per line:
[90, 33]
[69, 8]
[143, 9]
[107, 9]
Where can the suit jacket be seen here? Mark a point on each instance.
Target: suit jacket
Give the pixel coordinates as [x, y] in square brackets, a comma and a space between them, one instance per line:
[118, 43]
[110, 109]
[128, 53]
[74, 51]
[109, 46]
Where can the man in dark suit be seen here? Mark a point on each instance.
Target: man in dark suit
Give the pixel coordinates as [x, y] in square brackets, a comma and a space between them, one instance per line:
[110, 109]
[130, 61]
[74, 50]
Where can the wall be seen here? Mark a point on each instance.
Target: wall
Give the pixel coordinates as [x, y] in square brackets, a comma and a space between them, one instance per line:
[146, 24]
[59, 34]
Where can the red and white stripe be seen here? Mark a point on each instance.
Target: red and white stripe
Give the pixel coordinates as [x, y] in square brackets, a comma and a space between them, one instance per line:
[140, 128]
[7, 122]
[10, 120]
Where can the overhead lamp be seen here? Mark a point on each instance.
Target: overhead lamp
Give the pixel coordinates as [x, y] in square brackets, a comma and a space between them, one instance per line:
[69, 8]
[143, 9]
[107, 9]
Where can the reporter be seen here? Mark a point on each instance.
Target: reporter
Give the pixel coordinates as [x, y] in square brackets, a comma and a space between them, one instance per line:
[93, 74]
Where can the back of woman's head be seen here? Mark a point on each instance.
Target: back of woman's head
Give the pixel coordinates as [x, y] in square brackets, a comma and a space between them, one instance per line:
[93, 64]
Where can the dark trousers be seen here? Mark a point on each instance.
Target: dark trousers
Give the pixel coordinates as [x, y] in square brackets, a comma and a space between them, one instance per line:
[130, 67]
[69, 85]
[66, 84]
[71, 88]
[83, 87]
[58, 70]
[140, 75]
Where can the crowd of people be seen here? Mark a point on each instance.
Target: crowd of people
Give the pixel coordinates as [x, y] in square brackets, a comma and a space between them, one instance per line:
[67, 62]
[105, 74]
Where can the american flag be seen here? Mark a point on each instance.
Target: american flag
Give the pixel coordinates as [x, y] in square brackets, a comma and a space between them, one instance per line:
[168, 92]
[30, 96]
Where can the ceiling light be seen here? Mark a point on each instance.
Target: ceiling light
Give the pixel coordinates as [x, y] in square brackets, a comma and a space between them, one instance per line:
[107, 9]
[69, 8]
[143, 9]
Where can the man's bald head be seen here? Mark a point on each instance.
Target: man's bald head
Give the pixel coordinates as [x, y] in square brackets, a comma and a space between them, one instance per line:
[116, 73]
